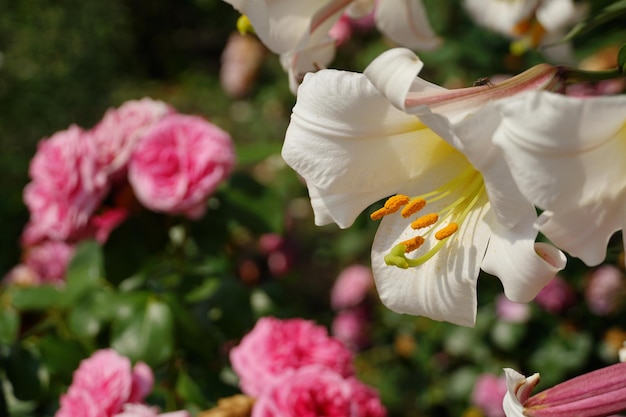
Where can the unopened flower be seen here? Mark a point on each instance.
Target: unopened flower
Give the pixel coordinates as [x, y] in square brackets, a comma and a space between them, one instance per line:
[595, 394]
[356, 138]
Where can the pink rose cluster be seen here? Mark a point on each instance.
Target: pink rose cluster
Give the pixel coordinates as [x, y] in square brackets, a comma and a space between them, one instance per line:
[295, 369]
[488, 394]
[106, 385]
[81, 179]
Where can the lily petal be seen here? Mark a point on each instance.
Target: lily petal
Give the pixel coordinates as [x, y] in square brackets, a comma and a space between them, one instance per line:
[523, 266]
[568, 161]
[444, 287]
[405, 22]
[345, 137]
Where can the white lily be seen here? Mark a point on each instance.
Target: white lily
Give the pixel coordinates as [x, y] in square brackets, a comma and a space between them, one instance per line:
[530, 22]
[355, 139]
[297, 30]
[569, 161]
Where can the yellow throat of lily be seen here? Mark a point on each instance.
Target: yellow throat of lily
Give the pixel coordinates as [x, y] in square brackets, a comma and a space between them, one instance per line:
[468, 185]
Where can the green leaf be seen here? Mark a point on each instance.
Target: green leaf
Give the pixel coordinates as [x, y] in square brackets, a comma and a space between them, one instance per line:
[146, 333]
[22, 370]
[36, 298]
[612, 12]
[60, 357]
[85, 270]
[189, 391]
[9, 325]
[93, 312]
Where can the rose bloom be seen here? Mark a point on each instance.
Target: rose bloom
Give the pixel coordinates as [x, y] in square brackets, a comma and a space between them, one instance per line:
[180, 161]
[275, 346]
[116, 135]
[49, 260]
[488, 394]
[351, 287]
[66, 188]
[107, 380]
[142, 410]
[316, 391]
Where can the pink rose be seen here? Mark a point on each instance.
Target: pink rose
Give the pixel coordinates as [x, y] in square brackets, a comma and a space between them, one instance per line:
[180, 161]
[316, 391]
[101, 225]
[108, 379]
[275, 346]
[21, 275]
[79, 402]
[114, 138]
[49, 260]
[351, 287]
[488, 394]
[66, 187]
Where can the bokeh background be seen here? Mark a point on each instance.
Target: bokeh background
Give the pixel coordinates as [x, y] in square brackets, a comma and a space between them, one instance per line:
[192, 289]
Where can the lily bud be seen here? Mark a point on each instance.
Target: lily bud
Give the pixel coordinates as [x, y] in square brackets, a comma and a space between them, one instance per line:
[594, 394]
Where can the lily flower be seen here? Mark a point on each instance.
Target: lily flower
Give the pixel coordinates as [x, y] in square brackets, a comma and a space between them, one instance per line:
[569, 162]
[531, 23]
[298, 30]
[356, 138]
[594, 394]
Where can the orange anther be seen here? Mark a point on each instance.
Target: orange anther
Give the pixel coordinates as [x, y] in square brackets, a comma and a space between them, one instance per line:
[413, 243]
[446, 231]
[425, 221]
[413, 207]
[392, 205]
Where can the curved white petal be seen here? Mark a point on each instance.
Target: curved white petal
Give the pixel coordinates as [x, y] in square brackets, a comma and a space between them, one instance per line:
[281, 24]
[518, 390]
[345, 138]
[523, 266]
[442, 288]
[405, 22]
[394, 74]
[555, 15]
[566, 155]
[500, 16]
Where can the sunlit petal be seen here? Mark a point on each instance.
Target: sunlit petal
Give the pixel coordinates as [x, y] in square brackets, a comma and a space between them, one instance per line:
[405, 22]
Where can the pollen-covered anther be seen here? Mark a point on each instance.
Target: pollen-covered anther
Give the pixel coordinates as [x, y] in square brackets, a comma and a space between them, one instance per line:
[413, 243]
[425, 221]
[446, 231]
[413, 207]
[392, 205]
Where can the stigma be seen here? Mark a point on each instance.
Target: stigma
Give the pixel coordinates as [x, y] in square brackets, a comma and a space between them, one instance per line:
[435, 227]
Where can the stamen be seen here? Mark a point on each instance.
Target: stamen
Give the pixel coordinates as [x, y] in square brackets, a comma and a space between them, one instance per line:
[413, 243]
[446, 231]
[413, 207]
[392, 205]
[425, 221]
